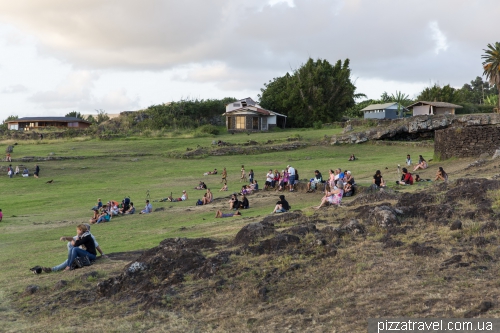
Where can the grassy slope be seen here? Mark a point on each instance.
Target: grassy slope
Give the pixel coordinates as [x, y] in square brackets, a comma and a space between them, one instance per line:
[36, 214]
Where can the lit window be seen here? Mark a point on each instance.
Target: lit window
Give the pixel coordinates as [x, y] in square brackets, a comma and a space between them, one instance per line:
[240, 122]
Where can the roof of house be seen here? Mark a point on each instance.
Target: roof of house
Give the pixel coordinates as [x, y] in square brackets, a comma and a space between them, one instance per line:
[59, 119]
[255, 109]
[436, 104]
[378, 106]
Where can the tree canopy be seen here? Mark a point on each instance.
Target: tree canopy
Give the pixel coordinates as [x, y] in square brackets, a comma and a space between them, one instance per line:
[75, 114]
[316, 92]
[491, 66]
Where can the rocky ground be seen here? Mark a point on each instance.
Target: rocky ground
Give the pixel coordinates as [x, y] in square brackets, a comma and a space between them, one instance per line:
[433, 252]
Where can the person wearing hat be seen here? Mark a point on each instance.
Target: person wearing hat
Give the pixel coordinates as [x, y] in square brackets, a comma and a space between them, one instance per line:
[70, 246]
[282, 205]
[318, 178]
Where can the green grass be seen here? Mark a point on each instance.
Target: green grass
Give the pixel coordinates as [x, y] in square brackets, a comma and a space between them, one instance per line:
[37, 214]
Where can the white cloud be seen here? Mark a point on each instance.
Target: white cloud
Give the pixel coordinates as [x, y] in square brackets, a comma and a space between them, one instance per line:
[439, 37]
[15, 89]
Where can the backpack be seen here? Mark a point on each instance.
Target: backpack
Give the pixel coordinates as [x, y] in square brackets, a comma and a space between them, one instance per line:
[81, 262]
[199, 203]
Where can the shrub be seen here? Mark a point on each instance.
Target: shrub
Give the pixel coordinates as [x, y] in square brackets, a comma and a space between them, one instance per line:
[209, 129]
[318, 125]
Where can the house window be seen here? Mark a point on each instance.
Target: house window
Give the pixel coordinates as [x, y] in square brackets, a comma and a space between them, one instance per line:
[229, 123]
[240, 122]
[236, 104]
[73, 124]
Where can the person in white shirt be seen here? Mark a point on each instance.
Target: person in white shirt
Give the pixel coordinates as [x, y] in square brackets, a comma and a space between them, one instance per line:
[291, 177]
[269, 179]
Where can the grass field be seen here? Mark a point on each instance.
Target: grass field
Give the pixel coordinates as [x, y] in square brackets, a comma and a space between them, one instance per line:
[36, 214]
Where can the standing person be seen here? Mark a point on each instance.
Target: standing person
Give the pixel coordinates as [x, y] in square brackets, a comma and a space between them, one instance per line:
[37, 170]
[250, 176]
[441, 175]
[291, 177]
[83, 238]
[224, 176]
[243, 174]
[408, 159]
[147, 209]
[10, 171]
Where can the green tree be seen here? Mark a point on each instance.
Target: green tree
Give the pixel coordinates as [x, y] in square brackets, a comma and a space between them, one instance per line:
[402, 100]
[102, 116]
[74, 114]
[491, 66]
[437, 93]
[5, 125]
[316, 92]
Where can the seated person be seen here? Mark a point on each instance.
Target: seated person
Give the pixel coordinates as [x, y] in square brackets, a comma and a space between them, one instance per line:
[441, 175]
[203, 201]
[105, 217]
[221, 214]
[282, 205]
[406, 178]
[244, 204]
[234, 202]
[83, 238]
[17, 170]
[378, 180]
[255, 186]
[224, 188]
[348, 190]
[131, 209]
[201, 186]
[333, 196]
[26, 173]
[114, 211]
[318, 178]
[422, 164]
[184, 197]
[352, 158]
[269, 180]
[210, 196]
[349, 178]
[147, 209]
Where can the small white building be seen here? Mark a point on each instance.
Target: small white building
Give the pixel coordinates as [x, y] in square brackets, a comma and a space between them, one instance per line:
[433, 108]
[247, 115]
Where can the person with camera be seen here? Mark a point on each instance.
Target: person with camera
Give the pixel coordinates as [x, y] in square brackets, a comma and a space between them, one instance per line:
[234, 202]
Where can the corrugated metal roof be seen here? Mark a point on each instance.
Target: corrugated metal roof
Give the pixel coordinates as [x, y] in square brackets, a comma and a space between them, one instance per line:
[378, 106]
[436, 104]
[256, 110]
[60, 119]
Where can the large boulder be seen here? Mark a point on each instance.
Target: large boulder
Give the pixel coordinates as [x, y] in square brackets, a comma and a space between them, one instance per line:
[253, 231]
[384, 216]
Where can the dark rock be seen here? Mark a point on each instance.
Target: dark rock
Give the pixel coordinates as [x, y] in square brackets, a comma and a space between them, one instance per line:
[184, 243]
[410, 199]
[463, 264]
[31, 289]
[353, 227]
[273, 245]
[92, 274]
[438, 214]
[263, 293]
[282, 217]
[372, 197]
[480, 241]
[488, 226]
[453, 260]
[391, 243]
[484, 307]
[479, 268]
[253, 231]
[60, 284]
[422, 250]
[333, 232]
[301, 230]
[159, 209]
[457, 225]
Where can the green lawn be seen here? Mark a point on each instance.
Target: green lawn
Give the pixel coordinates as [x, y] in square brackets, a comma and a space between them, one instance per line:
[36, 214]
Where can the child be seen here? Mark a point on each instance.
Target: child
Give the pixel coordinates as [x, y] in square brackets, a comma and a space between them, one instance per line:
[243, 174]
[408, 159]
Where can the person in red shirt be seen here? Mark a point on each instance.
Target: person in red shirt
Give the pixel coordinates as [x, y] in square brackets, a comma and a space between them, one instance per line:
[406, 178]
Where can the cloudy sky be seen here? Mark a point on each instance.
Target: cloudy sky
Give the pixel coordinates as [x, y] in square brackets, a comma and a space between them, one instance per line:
[57, 56]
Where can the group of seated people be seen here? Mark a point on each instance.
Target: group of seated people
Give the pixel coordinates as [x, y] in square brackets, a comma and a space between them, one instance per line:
[103, 213]
[208, 197]
[334, 175]
[201, 186]
[280, 180]
[236, 204]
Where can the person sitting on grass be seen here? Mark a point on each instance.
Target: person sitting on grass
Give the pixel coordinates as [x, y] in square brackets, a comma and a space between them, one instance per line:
[378, 180]
[406, 178]
[244, 204]
[348, 190]
[131, 209]
[352, 158]
[422, 164]
[233, 202]
[255, 185]
[408, 160]
[284, 180]
[104, 217]
[224, 188]
[333, 196]
[282, 206]
[220, 214]
[210, 196]
[64, 264]
[441, 175]
[26, 172]
[318, 178]
[83, 238]
[201, 186]
[210, 173]
[276, 179]
[147, 209]
[349, 178]
[114, 211]
[269, 180]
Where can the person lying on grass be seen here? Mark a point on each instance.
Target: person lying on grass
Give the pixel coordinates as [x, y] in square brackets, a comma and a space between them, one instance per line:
[83, 237]
[61, 266]
[333, 196]
[221, 214]
[184, 197]
[210, 173]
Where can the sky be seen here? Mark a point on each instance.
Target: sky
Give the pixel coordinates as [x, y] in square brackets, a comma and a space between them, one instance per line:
[58, 56]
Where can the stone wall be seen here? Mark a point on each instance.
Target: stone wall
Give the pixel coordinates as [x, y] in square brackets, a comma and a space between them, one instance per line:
[466, 141]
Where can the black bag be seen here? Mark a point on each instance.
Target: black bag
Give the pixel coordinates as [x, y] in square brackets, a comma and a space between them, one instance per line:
[77, 263]
[85, 261]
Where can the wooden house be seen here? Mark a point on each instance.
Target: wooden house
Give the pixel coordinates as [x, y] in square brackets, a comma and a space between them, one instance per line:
[382, 111]
[247, 115]
[30, 123]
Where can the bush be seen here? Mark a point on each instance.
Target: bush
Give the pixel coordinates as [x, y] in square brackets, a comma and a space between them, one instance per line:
[209, 129]
[318, 125]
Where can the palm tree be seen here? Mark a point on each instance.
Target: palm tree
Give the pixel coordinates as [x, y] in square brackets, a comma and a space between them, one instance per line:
[491, 66]
[401, 99]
